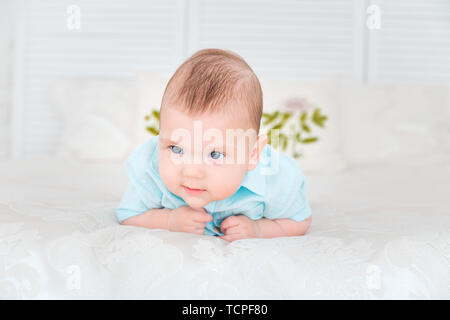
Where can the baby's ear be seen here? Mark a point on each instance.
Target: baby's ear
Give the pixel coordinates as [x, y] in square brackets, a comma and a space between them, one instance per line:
[255, 153]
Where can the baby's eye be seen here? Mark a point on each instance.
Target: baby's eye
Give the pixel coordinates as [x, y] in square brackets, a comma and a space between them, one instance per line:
[176, 149]
[216, 155]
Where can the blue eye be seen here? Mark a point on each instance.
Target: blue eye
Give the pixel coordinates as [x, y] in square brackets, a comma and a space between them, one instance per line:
[217, 155]
[176, 149]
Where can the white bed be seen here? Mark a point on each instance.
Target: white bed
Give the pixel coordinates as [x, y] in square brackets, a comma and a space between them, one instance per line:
[377, 233]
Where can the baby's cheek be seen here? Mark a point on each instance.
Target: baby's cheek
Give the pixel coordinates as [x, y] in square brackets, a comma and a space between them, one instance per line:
[226, 183]
[224, 192]
[168, 175]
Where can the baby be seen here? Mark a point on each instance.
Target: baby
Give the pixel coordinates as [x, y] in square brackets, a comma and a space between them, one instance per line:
[199, 175]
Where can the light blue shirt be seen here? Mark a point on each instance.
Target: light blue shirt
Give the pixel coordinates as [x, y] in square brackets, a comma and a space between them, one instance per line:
[275, 189]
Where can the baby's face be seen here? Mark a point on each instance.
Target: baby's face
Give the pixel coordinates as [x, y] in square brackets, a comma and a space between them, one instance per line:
[211, 152]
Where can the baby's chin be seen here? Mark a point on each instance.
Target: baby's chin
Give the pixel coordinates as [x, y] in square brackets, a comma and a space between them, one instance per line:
[195, 202]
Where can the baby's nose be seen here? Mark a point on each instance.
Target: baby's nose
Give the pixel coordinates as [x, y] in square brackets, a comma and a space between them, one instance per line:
[193, 171]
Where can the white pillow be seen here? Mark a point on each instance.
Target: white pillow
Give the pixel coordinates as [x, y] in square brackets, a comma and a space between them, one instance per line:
[99, 117]
[396, 124]
[94, 139]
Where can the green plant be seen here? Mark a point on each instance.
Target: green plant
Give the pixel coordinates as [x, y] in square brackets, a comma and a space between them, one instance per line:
[300, 128]
[300, 124]
[153, 127]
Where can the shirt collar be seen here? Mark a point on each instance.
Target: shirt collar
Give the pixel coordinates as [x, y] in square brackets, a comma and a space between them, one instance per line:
[254, 182]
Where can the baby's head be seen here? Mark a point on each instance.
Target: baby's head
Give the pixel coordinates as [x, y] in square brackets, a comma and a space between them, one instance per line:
[209, 127]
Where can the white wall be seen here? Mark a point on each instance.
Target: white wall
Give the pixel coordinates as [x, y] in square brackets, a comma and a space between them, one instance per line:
[6, 46]
[300, 40]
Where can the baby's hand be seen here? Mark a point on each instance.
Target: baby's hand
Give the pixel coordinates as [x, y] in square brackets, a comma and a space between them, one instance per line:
[187, 219]
[239, 227]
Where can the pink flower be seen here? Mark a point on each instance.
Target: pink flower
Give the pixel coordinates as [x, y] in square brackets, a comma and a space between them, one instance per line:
[297, 104]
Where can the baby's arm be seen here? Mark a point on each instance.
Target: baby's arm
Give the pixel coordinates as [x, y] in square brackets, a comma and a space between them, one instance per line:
[153, 219]
[182, 219]
[241, 227]
[268, 228]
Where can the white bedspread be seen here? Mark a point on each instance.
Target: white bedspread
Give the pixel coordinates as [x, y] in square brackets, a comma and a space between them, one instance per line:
[377, 233]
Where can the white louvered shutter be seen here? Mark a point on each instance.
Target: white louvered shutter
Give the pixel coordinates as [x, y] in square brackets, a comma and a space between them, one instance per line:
[304, 40]
[116, 38]
[287, 39]
[413, 42]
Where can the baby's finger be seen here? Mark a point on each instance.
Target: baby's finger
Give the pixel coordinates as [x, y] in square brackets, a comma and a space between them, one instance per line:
[199, 225]
[228, 223]
[201, 210]
[236, 234]
[226, 238]
[230, 238]
[231, 229]
[203, 217]
[199, 230]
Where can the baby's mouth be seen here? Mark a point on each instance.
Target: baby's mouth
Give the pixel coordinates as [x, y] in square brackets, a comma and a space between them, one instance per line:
[192, 191]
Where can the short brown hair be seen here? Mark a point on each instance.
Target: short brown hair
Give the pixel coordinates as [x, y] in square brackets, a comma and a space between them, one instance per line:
[212, 78]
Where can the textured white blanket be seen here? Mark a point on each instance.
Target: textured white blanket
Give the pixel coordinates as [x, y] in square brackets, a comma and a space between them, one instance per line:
[376, 233]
